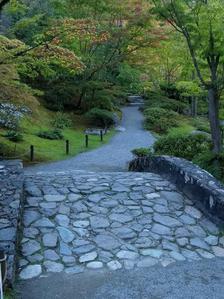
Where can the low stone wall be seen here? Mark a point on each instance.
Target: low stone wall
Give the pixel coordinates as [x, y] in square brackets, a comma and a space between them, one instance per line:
[11, 198]
[196, 183]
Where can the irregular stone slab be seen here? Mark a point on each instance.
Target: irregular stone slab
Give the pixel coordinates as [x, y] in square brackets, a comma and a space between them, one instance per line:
[55, 198]
[30, 271]
[81, 223]
[106, 242]
[205, 254]
[197, 242]
[129, 255]
[69, 260]
[152, 195]
[74, 197]
[121, 218]
[94, 265]
[83, 249]
[44, 222]
[53, 267]
[65, 249]
[156, 253]
[124, 233]
[48, 205]
[218, 251]
[212, 240]
[99, 222]
[88, 257]
[182, 241]
[30, 216]
[193, 212]
[30, 247]
[50, 240]
[161, 208]
[177, 256]
[62, 220]
[161, 229]
[66, 235]
[166, 220]
[187, 219]
[7, 234]
[191, 255]
[114, 265]
[51, 255]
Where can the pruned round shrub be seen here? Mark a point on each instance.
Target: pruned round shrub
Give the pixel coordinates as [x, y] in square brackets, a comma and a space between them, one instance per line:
[184, 146]
[52, 135]
[61, 121]
[160, 120]
[101, 117]
[142, 152]
[14, 136]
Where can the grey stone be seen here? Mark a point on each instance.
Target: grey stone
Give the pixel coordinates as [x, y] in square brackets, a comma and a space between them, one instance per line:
[44, 222]
[51, 255]
[31, 271]
[62, 220]
[81, 223]
[182, 241]
[83, 249]
[161, 229]
[99, 222]
[212, 240]
[35, 258]
[123, 218]
[30, 216]
[54, 198]
[66, 235]
[124, 233]
[53, 267]
[30, 247]
[177, 256]
[166, 220]
[74, 270]
[68, 260]
[106, 242]
[218, 251]
[65, 249]
[129, 255]
[197, 242]
[193, 212]
[8, 234]
[50, 240]
[156, 253]
[88, 257]
[48, 205]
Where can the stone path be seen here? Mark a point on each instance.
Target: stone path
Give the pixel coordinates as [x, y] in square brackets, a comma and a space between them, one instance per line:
[113, 156]
[78, 221]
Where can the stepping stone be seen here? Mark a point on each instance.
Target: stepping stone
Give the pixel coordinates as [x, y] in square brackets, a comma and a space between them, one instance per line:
[66, 235]
[106, 242]
[129, 255]
[54, 198]
[88, 257]
[99, 222]
[95, 265]
[114, 265]
[53, 266]
[166, 220]
[50, 240]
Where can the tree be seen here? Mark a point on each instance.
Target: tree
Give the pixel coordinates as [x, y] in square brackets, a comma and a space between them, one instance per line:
[3, 3]
[200, 22]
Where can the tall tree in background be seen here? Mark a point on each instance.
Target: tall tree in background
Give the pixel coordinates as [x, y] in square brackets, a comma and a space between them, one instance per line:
[201, 24]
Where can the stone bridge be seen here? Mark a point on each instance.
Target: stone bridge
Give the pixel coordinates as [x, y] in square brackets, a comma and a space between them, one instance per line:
[104, 232]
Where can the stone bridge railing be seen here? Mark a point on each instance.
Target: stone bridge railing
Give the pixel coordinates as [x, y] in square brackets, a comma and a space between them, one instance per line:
[11, 200]
[196, 183]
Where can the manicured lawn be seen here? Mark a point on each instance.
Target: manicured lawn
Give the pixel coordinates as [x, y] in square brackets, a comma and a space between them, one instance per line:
[51, 150]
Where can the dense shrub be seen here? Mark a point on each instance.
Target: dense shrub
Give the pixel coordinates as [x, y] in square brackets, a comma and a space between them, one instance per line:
[160, 120]
[211, 162]
[170, 90]
[52, 135]
[101, 117]
[201, 125]
[14, 136]
[184, 146]
[142, 152]
[61, 121]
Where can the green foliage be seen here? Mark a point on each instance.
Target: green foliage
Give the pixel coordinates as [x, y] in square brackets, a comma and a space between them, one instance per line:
[52, 135]
[61, 121]
[201, 124]
[142, 152]
[212, 163]
[100, 117]
[184, 146]
[14, 136]
[154, 99]
[160, 120]
[170, 90]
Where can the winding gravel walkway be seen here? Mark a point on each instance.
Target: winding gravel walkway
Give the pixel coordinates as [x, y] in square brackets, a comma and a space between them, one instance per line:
[111, 157]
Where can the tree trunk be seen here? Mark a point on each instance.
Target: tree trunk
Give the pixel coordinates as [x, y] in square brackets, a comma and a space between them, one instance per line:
[214, 120]
[194, 106]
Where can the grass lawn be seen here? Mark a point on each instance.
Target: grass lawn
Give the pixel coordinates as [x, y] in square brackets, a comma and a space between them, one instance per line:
[50, 150]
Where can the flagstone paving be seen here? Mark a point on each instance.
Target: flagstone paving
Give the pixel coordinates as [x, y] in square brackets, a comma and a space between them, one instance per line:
[77, 221]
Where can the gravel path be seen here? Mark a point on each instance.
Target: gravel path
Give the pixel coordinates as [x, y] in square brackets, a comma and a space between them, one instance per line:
[111, 157]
